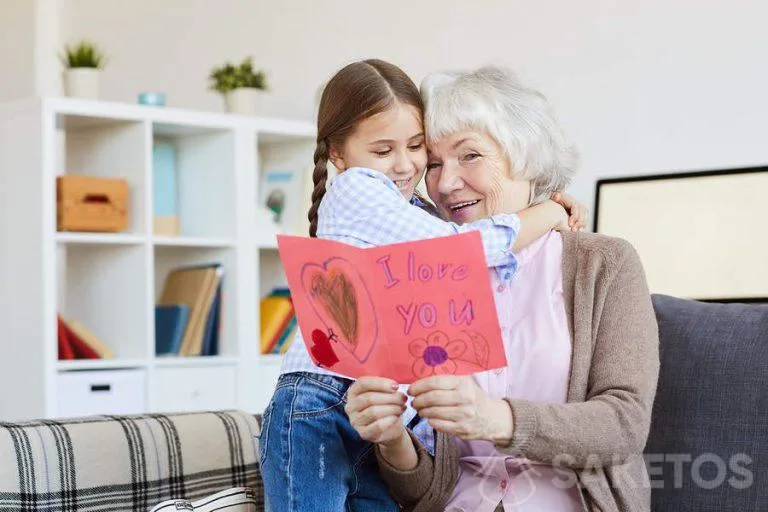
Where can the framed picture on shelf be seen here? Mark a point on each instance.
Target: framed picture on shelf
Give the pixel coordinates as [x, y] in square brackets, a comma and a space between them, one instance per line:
[284, 199]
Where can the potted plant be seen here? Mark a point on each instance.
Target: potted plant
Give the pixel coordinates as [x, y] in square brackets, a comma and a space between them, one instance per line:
[83, 63]
[240, 85]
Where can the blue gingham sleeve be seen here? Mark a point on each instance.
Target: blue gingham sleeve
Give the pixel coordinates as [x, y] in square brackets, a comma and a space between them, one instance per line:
[363, 207]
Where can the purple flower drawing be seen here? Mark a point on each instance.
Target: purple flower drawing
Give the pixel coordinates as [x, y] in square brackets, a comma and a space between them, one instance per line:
[436, 354]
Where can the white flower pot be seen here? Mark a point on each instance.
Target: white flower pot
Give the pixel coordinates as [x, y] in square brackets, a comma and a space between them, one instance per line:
[82, 83]
[245, 100]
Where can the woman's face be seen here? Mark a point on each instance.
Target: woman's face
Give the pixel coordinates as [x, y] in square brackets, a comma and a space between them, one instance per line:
[392, 143]
[468, 178]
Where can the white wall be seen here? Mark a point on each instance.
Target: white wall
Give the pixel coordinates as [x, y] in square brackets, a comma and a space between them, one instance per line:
[643, 87]
[17, 49]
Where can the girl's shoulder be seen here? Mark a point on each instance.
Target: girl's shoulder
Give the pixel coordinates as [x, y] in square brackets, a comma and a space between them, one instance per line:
[359, 189]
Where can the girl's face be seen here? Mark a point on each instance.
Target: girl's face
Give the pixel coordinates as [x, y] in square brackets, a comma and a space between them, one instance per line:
[392, 143]
[468, 178]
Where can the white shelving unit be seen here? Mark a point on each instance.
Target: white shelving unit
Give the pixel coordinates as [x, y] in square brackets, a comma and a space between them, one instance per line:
[109, 282]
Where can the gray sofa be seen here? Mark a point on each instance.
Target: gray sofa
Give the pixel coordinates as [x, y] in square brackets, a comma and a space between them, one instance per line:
[708, 445]
[707, 450]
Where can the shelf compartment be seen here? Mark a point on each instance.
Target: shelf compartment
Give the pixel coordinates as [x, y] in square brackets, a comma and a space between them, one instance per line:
[283, 183]
[107, 148]
[168, 258]
[105, 288]
[197, 178]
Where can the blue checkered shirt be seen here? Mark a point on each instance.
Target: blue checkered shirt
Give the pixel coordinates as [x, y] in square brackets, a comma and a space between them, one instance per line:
[362, 207]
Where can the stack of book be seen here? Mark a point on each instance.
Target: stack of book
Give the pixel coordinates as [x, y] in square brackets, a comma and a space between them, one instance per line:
[278, 322]
[188, 313]
[77, 342]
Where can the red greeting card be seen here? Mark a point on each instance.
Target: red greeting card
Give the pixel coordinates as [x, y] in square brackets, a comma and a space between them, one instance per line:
[403, 311]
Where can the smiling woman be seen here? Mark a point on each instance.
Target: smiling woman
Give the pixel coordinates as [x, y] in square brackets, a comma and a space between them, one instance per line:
[563, 426]
[494, 130]
[467, 174]
[513, 124]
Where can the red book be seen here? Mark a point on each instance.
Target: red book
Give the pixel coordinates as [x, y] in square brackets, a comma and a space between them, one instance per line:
[80, 348]
[65, 347]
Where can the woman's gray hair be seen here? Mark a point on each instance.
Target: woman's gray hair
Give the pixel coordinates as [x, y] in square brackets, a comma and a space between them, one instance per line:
[493, 100]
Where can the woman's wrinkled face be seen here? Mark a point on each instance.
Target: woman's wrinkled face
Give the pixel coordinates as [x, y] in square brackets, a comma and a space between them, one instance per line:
[392, 143]
[468, 178]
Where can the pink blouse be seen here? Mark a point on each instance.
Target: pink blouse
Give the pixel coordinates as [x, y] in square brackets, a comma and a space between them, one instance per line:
[534, 326]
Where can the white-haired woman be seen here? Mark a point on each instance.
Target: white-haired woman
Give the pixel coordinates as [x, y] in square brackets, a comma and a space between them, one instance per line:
[563, 427]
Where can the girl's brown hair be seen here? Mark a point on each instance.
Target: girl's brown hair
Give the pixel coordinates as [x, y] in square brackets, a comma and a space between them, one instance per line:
[356, 92]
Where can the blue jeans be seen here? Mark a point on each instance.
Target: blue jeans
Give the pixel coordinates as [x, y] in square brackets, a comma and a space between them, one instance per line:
[312, 459]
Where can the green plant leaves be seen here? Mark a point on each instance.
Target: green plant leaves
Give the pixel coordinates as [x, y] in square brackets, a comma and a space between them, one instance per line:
[84, 54]
[230, 76]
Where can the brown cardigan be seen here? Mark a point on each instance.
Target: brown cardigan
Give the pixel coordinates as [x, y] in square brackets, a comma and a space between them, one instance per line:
[603, 427]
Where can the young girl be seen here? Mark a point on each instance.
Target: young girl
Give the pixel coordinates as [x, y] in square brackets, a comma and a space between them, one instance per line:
[370, 129]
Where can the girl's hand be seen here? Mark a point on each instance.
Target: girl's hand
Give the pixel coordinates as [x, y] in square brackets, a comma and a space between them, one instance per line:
[374, 406]
[561, 215]
[456, 405]
[578, 213]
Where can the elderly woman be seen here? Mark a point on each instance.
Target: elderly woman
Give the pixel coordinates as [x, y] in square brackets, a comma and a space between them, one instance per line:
[563, 426]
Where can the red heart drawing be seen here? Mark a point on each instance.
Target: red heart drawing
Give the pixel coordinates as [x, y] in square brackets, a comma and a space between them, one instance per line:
[343, 304]
[322, 351]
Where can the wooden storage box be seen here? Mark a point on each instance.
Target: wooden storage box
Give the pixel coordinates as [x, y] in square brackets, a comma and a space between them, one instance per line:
[90, 203]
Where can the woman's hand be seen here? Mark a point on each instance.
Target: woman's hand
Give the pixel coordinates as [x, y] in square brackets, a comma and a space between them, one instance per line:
[374, 406]
[456, 405]
[578, 214]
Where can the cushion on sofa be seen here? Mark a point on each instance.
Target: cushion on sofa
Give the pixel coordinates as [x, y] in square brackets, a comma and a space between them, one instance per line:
[708, 445]
[129, 463]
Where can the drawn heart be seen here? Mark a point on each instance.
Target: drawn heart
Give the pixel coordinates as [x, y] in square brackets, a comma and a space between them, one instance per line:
[343, 304]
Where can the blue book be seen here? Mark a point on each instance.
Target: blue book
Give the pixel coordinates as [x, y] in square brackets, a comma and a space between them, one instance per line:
[170, 324]
[213, 326]
[165, 186]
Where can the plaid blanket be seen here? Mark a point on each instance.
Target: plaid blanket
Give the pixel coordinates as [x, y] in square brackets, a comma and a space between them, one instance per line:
[126, 463]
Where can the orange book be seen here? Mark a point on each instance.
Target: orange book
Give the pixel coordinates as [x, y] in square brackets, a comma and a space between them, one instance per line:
[276, 312]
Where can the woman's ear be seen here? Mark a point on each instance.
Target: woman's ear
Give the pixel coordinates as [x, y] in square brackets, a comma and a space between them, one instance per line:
[336, 158]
